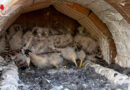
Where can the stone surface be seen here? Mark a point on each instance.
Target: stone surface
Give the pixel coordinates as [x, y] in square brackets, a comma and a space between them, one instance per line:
[116, 24]
[123, 6]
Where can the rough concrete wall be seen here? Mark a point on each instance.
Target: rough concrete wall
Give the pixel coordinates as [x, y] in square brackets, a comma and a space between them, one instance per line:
[13, 10]
[123, 6]
[104, 45]
[117, 25]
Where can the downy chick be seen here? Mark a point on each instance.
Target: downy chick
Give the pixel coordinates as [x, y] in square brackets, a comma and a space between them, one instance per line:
[55, 60]
[88, 44]
[69, 54]
[40, 43]
[81, 55]
[39, 61]
[12, 30]
[27, 38]
[62, 40]
[21, 60]
[39, 46]
[16, 41]
[59, 41]
[39, 32]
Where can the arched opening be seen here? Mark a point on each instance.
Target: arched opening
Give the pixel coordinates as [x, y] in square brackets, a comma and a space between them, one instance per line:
[90, 21]
[102, 28]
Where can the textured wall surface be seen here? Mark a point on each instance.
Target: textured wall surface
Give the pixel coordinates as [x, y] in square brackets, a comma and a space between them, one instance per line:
[117, 25]
[123, 6]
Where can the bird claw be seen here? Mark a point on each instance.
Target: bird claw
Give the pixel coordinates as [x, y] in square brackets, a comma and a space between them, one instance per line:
[60, 66]
[64, 66]
[56, 66]
[75, 63]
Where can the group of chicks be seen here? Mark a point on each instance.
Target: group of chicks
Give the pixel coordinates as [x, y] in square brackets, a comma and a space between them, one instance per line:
[44, 48]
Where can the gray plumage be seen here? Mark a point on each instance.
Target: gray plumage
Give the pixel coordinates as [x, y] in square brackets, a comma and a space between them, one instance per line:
[69, 54]
[16, 41]
[21, 59]
[81, 55]
[39, 61]
[55, 60]
[88, 44]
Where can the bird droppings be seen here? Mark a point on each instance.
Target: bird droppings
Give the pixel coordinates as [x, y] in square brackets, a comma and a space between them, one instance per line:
[65, 79]
[8, 76]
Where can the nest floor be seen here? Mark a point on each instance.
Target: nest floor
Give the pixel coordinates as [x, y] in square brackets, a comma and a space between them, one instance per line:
[65, 79]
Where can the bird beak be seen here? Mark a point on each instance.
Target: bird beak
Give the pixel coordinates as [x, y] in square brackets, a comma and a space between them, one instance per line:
[57, 66]
[81, 63]
[75, 63]
[64, 66]
[28, 61]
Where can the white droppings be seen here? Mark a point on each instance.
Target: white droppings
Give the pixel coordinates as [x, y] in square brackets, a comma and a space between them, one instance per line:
[9, 78]
[57, 88]
[111, 74]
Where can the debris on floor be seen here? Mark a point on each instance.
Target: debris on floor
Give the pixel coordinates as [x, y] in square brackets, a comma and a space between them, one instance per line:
[66, 79]
[110, 74]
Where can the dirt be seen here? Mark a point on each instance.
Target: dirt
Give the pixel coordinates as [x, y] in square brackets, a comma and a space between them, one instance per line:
[65, 79]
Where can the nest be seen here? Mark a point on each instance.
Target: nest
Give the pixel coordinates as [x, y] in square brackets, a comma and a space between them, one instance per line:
[54, 47]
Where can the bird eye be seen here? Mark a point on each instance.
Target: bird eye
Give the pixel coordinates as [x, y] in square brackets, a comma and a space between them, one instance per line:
[24, 45]
[18, 28]
[35, 33]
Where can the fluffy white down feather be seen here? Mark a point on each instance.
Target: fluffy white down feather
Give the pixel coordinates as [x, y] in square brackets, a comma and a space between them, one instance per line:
[69, 54]
[12, 30]
[88, 44]
[21, 57]
[81, 55]
[41, 32]
[55, 59]
[26, 37]
[39, 46]
[16, 41]
[39, 61]
[60, 40]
